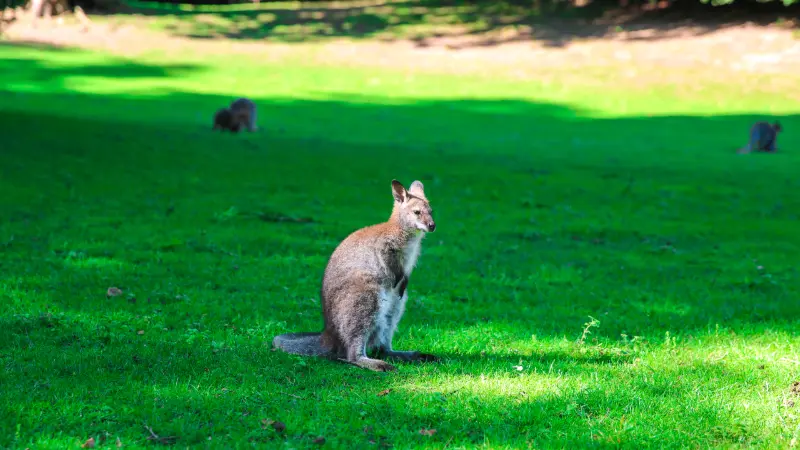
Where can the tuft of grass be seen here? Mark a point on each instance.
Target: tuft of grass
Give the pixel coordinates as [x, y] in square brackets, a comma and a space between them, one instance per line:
[606, 271]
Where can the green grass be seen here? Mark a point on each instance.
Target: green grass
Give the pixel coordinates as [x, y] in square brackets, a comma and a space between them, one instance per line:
[555, 201]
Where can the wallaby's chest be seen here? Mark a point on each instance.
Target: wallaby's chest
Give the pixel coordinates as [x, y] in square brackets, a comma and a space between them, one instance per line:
[392, 295]
[408, 254]
[400, 264]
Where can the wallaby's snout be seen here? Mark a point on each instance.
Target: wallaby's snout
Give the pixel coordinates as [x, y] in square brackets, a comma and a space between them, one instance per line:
[422, 220]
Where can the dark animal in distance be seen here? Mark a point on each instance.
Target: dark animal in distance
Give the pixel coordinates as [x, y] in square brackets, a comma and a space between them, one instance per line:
[244, 111]
[763, 137]
[225, 120]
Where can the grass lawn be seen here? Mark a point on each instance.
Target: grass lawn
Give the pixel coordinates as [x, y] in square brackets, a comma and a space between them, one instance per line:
[605, 272]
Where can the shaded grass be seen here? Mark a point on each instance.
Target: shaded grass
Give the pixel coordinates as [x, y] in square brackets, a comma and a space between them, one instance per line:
[552, 205]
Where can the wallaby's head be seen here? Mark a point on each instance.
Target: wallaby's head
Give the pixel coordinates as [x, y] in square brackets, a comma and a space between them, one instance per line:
[411, 207]
[777, 127]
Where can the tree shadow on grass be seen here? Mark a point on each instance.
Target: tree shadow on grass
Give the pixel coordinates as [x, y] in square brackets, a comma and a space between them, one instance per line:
[131, 193]
[27, 65]
[171, 207]
[458, 24]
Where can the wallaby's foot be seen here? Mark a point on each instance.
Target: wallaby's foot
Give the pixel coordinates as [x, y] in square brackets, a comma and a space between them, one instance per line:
[411, 356]
[375, 364]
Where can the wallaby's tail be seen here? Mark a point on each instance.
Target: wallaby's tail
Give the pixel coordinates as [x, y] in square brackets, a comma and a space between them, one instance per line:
[308, 344]
[751, 144]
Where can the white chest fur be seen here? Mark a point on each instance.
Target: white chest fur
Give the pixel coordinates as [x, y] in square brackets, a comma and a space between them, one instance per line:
[411, 253]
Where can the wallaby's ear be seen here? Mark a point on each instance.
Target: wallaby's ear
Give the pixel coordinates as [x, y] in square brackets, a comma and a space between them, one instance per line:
[399, 192]
[417, 189]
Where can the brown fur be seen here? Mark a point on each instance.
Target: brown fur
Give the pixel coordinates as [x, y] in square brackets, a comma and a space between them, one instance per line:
[364, 287]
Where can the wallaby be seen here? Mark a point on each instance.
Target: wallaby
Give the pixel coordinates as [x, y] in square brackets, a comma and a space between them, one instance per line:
[763, 137]
[364, 287]
[225, 120]
[245, 111]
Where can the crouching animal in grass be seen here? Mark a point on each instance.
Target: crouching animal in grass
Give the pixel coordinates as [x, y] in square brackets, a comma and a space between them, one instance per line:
[225, 120]
[763, 137]
[364, 287]
[244, 110]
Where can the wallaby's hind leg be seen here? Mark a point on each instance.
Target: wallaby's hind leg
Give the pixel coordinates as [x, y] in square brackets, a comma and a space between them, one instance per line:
[386, 335]
[409, 356]
[358, 307]
[357, 354]
[385, 349]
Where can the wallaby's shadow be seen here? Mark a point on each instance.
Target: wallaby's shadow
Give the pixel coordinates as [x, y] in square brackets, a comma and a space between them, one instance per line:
[537, 360]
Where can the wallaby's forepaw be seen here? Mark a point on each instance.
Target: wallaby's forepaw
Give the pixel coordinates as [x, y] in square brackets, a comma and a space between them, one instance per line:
[375, 364]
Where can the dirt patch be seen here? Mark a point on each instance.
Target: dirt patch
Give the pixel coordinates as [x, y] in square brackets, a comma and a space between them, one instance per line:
[792, 397]
[747, 48]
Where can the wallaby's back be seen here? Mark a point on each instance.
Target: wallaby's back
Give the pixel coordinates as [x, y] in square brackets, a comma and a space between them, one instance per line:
[763, 137]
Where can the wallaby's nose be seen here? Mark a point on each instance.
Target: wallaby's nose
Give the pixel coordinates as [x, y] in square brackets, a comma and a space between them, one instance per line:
[431, 226]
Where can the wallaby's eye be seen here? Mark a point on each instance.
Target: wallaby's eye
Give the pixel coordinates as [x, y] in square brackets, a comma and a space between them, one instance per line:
[416, 212]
